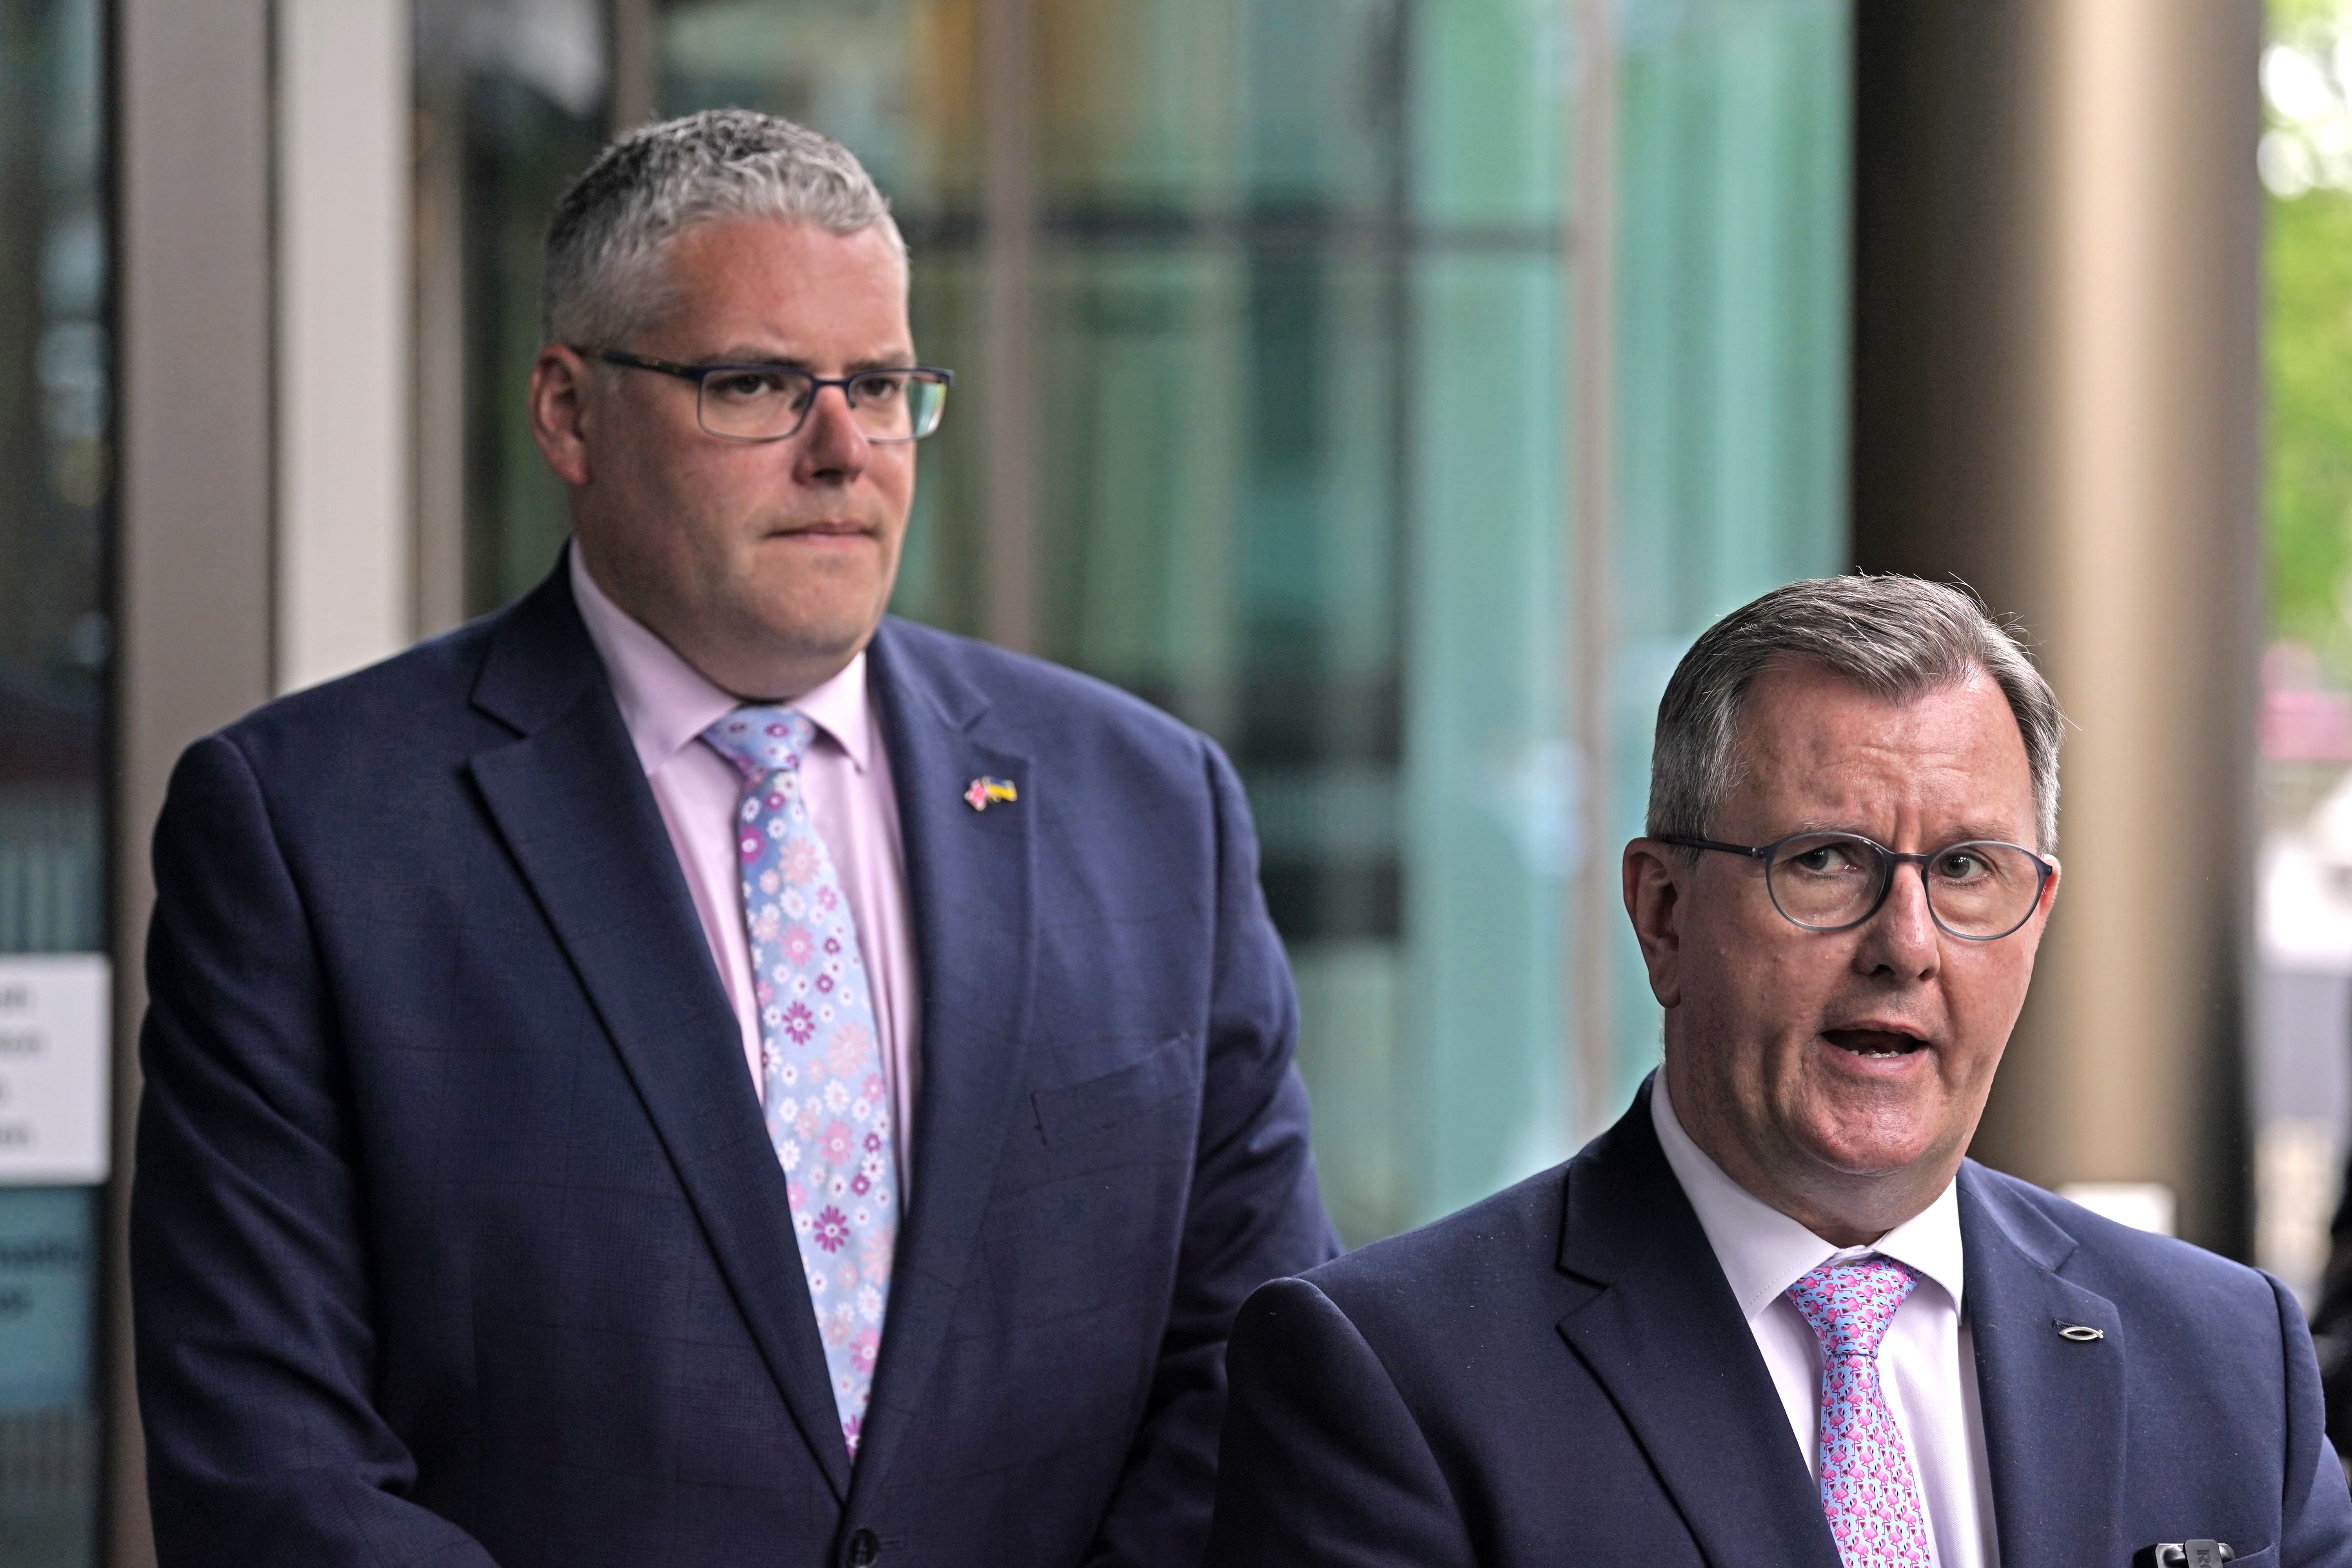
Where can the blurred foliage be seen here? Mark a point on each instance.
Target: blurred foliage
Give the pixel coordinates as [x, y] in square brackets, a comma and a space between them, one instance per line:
[2308, 350]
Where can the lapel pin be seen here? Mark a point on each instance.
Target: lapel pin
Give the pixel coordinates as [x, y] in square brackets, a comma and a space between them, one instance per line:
[2081, 1333]
[984, 793]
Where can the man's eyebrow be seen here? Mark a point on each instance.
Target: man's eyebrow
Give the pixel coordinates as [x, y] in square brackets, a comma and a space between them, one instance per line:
[752, 354]
[748, 353]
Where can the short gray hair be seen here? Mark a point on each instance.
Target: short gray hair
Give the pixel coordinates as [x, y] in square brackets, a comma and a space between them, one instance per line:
[1897, 638]
[604, 276]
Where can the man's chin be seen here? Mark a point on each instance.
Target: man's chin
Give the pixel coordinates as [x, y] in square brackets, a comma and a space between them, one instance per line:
[1873, 1150]
[818, 605]
[827, 634]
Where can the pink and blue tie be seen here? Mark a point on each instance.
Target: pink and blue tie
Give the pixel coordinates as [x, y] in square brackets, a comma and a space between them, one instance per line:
[1867, 1487]
[826, 1100]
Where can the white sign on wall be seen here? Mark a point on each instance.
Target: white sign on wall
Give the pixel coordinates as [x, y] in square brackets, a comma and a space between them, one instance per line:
[54, 1055]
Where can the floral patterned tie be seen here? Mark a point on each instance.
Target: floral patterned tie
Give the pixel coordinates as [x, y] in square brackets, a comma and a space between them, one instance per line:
[1867, 1488]
[827, 1104]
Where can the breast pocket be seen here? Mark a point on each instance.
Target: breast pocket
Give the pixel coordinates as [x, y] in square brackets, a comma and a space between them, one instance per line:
[1088, 1206]
[1068, 1114]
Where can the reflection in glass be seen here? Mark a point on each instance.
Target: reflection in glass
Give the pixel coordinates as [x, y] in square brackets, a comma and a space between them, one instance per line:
[54, 408]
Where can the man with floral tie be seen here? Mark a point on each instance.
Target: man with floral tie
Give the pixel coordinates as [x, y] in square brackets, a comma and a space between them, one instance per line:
[690, 1069]
[1774, 1316]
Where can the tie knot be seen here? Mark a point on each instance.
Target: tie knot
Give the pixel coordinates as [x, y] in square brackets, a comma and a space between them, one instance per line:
[762, 740]
[1849, 1302]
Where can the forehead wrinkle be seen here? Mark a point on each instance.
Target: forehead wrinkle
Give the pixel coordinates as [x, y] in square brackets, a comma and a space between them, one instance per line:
[1834, 795]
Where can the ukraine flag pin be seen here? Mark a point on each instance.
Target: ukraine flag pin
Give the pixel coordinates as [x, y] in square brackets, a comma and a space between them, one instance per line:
[984, 793]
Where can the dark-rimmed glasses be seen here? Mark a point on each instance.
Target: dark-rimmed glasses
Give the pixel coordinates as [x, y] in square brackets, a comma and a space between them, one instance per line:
[771, 402]
[1980, 890]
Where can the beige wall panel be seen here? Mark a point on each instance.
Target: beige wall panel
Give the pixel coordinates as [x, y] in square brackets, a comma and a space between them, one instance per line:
[346, 587]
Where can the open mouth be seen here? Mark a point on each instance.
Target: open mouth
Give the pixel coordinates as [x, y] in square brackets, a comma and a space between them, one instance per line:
[1874, 1043]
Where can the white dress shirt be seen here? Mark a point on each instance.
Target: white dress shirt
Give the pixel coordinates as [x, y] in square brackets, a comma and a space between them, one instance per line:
[666, 704]
[1926, 1363]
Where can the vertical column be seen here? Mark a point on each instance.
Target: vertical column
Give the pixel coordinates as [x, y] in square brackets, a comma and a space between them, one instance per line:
[1009, 198]
[346, 591]
[1591, 250]
[2056, 395]
[191, 104]
[635, 33]
[437, 324]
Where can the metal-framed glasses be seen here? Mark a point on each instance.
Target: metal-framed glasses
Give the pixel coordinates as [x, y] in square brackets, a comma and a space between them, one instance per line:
[771, 402]
[1979, 890]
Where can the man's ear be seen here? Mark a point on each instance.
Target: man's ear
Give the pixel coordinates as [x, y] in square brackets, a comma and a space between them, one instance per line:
[1654, 889]
[2038, 923]
[558, 413]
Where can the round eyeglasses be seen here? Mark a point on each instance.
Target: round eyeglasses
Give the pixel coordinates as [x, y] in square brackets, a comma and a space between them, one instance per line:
[1979, 890]
[771, 402]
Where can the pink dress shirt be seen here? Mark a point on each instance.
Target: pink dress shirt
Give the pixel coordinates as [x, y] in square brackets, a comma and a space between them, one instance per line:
[666, 704]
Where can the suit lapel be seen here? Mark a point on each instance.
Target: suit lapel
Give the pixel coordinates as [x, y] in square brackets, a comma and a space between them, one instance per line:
[1663, 1334]
[2054, 1408]
[969, 881]
[575, 810]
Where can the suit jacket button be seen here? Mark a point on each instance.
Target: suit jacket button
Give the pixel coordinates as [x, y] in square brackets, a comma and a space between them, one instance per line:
[863, 1549]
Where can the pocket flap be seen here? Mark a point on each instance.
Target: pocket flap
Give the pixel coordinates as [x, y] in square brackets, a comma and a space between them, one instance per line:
[1095, 1104]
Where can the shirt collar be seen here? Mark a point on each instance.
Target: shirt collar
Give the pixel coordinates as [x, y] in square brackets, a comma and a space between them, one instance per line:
[667, 703]
[1763, 1252]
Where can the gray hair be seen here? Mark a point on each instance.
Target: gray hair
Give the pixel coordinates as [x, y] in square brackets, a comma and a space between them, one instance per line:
[1897, 638]
[605, 275]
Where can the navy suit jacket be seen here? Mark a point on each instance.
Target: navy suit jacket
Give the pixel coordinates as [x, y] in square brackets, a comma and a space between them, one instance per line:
[1561, 1374]
[456, 1236]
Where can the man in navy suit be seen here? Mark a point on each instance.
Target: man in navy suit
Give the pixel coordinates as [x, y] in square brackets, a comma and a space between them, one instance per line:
[688, 1070]
[1773, 1316]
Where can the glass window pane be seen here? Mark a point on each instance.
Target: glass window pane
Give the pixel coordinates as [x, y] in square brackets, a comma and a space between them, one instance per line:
[54, 408]
[1734, 150]
[1490, 776]
[1218, 309]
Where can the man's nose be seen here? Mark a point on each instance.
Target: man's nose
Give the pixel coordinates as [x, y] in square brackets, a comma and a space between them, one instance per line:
[1901, 938]
[831, 443]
